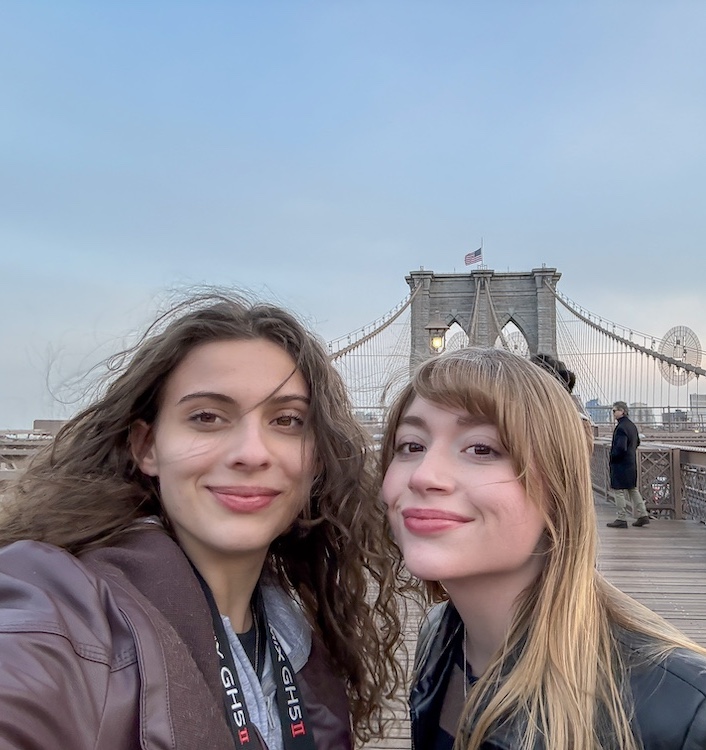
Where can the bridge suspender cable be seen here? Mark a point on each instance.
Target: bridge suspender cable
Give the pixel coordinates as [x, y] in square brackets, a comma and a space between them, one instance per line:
[473, 325]
[347, 349]
[626, 342]
[503, 341]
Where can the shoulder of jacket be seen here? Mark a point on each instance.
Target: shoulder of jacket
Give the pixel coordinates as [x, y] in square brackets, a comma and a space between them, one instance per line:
[669, 694]
[686, 668]
[46, 590]
[39, 563]
[640, 652]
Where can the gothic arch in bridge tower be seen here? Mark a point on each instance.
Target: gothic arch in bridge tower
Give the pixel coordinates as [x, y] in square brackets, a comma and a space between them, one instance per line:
[483, 303]
[513, 339]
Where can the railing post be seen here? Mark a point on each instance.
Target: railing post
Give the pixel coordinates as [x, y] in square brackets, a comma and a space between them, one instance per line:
[677, 485]
[599, 470]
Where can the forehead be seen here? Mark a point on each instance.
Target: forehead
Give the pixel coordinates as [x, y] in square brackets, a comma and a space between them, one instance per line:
[421, 411]
[258, 367]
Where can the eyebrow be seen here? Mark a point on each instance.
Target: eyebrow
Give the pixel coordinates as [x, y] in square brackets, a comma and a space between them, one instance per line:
[469, 421]
[412, 421]
[283, 398]
[465, 421]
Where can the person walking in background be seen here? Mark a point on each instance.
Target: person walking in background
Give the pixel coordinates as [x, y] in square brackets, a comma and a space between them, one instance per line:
[623, 470]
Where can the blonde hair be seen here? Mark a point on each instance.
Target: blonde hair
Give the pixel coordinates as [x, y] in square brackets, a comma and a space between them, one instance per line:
[560, 672]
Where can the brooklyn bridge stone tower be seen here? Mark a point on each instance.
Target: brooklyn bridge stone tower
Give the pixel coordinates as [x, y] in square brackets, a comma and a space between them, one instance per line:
[482, 303]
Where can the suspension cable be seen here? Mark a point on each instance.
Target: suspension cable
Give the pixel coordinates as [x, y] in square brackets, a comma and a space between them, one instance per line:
[347, 349]
[621, 340]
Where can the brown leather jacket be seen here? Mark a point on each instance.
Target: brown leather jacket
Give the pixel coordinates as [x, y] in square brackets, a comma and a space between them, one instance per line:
[115, 651]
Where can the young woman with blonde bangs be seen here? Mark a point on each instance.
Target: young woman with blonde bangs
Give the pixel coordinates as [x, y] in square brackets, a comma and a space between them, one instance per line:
[488, 492]
[189, 565]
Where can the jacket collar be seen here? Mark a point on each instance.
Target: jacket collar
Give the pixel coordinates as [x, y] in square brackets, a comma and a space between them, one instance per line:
[174, 636]
[438, 638]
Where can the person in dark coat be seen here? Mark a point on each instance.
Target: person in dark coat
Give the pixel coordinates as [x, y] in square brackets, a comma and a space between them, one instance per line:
[623, 470]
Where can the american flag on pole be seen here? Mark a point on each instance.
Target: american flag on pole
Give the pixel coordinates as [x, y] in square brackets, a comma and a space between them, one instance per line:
[474, 257]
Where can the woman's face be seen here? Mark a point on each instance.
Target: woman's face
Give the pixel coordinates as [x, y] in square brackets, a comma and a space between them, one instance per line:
[229, 448]
[456, 507]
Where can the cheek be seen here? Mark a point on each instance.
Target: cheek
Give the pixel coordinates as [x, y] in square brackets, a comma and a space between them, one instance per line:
[301, 469]
[532, 523]
[521, 513]
[187, 455]
[297, 461]
[388, 490]
[310, 467]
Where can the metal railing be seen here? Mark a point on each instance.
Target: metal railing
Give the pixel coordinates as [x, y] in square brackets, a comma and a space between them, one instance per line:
[671, 478]
[16, 446]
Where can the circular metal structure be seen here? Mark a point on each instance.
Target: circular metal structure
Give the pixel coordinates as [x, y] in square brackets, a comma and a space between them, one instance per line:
[458, 340]
[516, 343]
[679, 344]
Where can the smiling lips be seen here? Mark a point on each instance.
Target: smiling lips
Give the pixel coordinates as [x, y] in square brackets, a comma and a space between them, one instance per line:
[432, 520]
[244, 499]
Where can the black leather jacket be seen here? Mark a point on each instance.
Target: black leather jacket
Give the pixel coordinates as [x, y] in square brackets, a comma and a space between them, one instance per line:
[669, 696]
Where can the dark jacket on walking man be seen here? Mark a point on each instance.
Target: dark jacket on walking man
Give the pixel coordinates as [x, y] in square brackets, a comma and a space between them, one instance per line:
[623, 469]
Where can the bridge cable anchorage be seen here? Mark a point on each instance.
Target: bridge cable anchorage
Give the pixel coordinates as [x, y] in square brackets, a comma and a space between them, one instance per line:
[626, 342]
[384, 324]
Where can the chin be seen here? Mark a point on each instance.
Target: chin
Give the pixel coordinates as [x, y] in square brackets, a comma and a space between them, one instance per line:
[426, 570]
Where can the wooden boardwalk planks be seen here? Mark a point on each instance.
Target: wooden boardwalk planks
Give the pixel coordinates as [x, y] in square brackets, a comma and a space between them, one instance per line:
[662, 565]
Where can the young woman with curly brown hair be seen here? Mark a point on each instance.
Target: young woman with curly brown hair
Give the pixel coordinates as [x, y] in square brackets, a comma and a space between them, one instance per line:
[217, 488]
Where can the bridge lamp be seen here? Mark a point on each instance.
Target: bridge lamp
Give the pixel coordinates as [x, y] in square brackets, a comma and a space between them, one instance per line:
[436, 329]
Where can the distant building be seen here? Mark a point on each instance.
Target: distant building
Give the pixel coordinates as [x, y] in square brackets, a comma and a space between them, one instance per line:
[642, 414]
[599, 413]
[675, 419]
[48, 426]
[17, 446]
[697, 410]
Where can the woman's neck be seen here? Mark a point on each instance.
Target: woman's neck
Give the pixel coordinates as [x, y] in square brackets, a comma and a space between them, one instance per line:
[486, 609]
[232, 582]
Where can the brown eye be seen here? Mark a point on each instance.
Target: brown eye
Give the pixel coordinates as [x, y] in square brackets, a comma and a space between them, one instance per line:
[204, 417]
[289, 420]
[480, 449]
[409, 447]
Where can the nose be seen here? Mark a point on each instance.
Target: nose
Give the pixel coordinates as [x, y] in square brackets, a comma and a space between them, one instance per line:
[247, 444]
[432, 473]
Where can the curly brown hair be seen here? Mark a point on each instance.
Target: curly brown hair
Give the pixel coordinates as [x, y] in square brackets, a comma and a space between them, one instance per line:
[85, 490]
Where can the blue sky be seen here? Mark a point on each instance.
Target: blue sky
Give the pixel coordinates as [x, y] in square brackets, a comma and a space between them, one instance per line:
[316, 152]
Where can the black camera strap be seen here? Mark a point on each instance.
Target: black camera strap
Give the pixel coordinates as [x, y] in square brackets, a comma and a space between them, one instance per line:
[296, 727]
